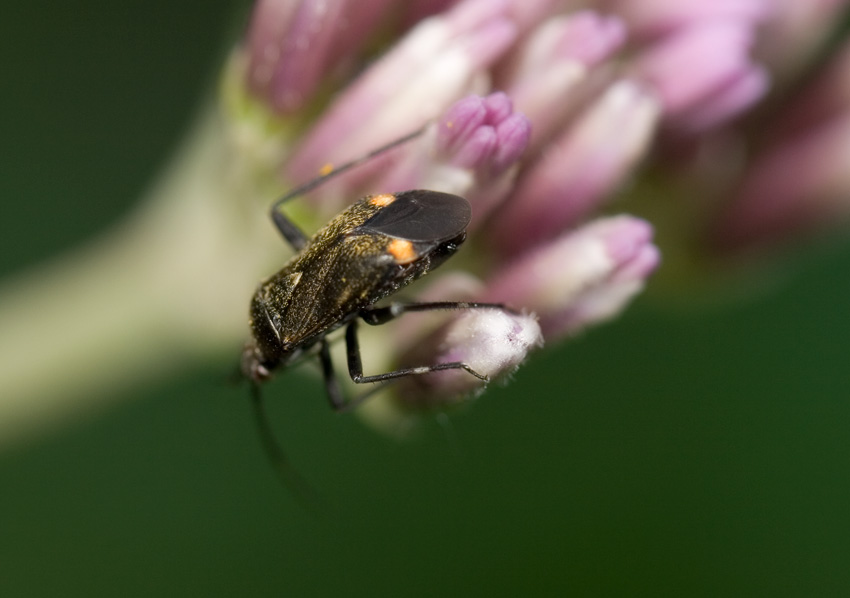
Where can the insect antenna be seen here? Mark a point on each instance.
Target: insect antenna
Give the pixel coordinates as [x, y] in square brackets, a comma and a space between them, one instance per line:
[338, 170]
[289, 477]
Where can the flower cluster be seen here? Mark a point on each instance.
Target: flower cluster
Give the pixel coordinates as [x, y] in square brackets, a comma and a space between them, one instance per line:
[543, 114]
[724, 126]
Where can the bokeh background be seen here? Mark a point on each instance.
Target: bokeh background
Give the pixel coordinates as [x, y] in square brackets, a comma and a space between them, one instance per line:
[681, 451]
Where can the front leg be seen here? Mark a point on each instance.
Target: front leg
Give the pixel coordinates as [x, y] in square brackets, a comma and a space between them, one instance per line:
[293, 235]
[355, 368]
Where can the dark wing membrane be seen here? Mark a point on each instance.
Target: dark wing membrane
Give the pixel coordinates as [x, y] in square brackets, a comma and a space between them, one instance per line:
[421, 216]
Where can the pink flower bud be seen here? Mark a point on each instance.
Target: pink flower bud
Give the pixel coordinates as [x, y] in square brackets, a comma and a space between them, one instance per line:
[649, 19]
[545, 76]
[703, 73]
[577, 171]
[582, 278]
[292, 45]
[800, 181]
[435, 64]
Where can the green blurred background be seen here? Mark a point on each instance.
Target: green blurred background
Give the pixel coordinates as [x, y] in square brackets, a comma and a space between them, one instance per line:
[676, 452]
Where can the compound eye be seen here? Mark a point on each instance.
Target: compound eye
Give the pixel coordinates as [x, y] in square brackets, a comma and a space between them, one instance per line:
[421, 216]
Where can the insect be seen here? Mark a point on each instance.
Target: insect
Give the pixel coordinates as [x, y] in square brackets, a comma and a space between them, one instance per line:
[375, 247]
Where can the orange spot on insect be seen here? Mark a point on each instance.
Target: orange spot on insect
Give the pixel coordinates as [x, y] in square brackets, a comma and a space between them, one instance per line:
[402, 251]
[382, 200]
[326, 169]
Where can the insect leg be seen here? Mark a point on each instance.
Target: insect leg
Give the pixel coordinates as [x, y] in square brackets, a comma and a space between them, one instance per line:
[335, 395]
[381, 315]
[287, 228]
[293, 235]
[355, 369]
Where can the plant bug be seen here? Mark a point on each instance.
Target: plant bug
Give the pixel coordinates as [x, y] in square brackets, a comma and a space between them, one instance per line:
[375, 247]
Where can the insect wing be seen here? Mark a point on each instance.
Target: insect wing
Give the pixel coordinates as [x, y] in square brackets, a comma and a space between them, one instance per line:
[422, 217]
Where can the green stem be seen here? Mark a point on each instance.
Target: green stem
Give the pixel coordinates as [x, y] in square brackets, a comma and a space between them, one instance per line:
[167, 286]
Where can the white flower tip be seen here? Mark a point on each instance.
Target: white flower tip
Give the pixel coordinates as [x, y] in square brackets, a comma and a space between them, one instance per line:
[492, 342]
